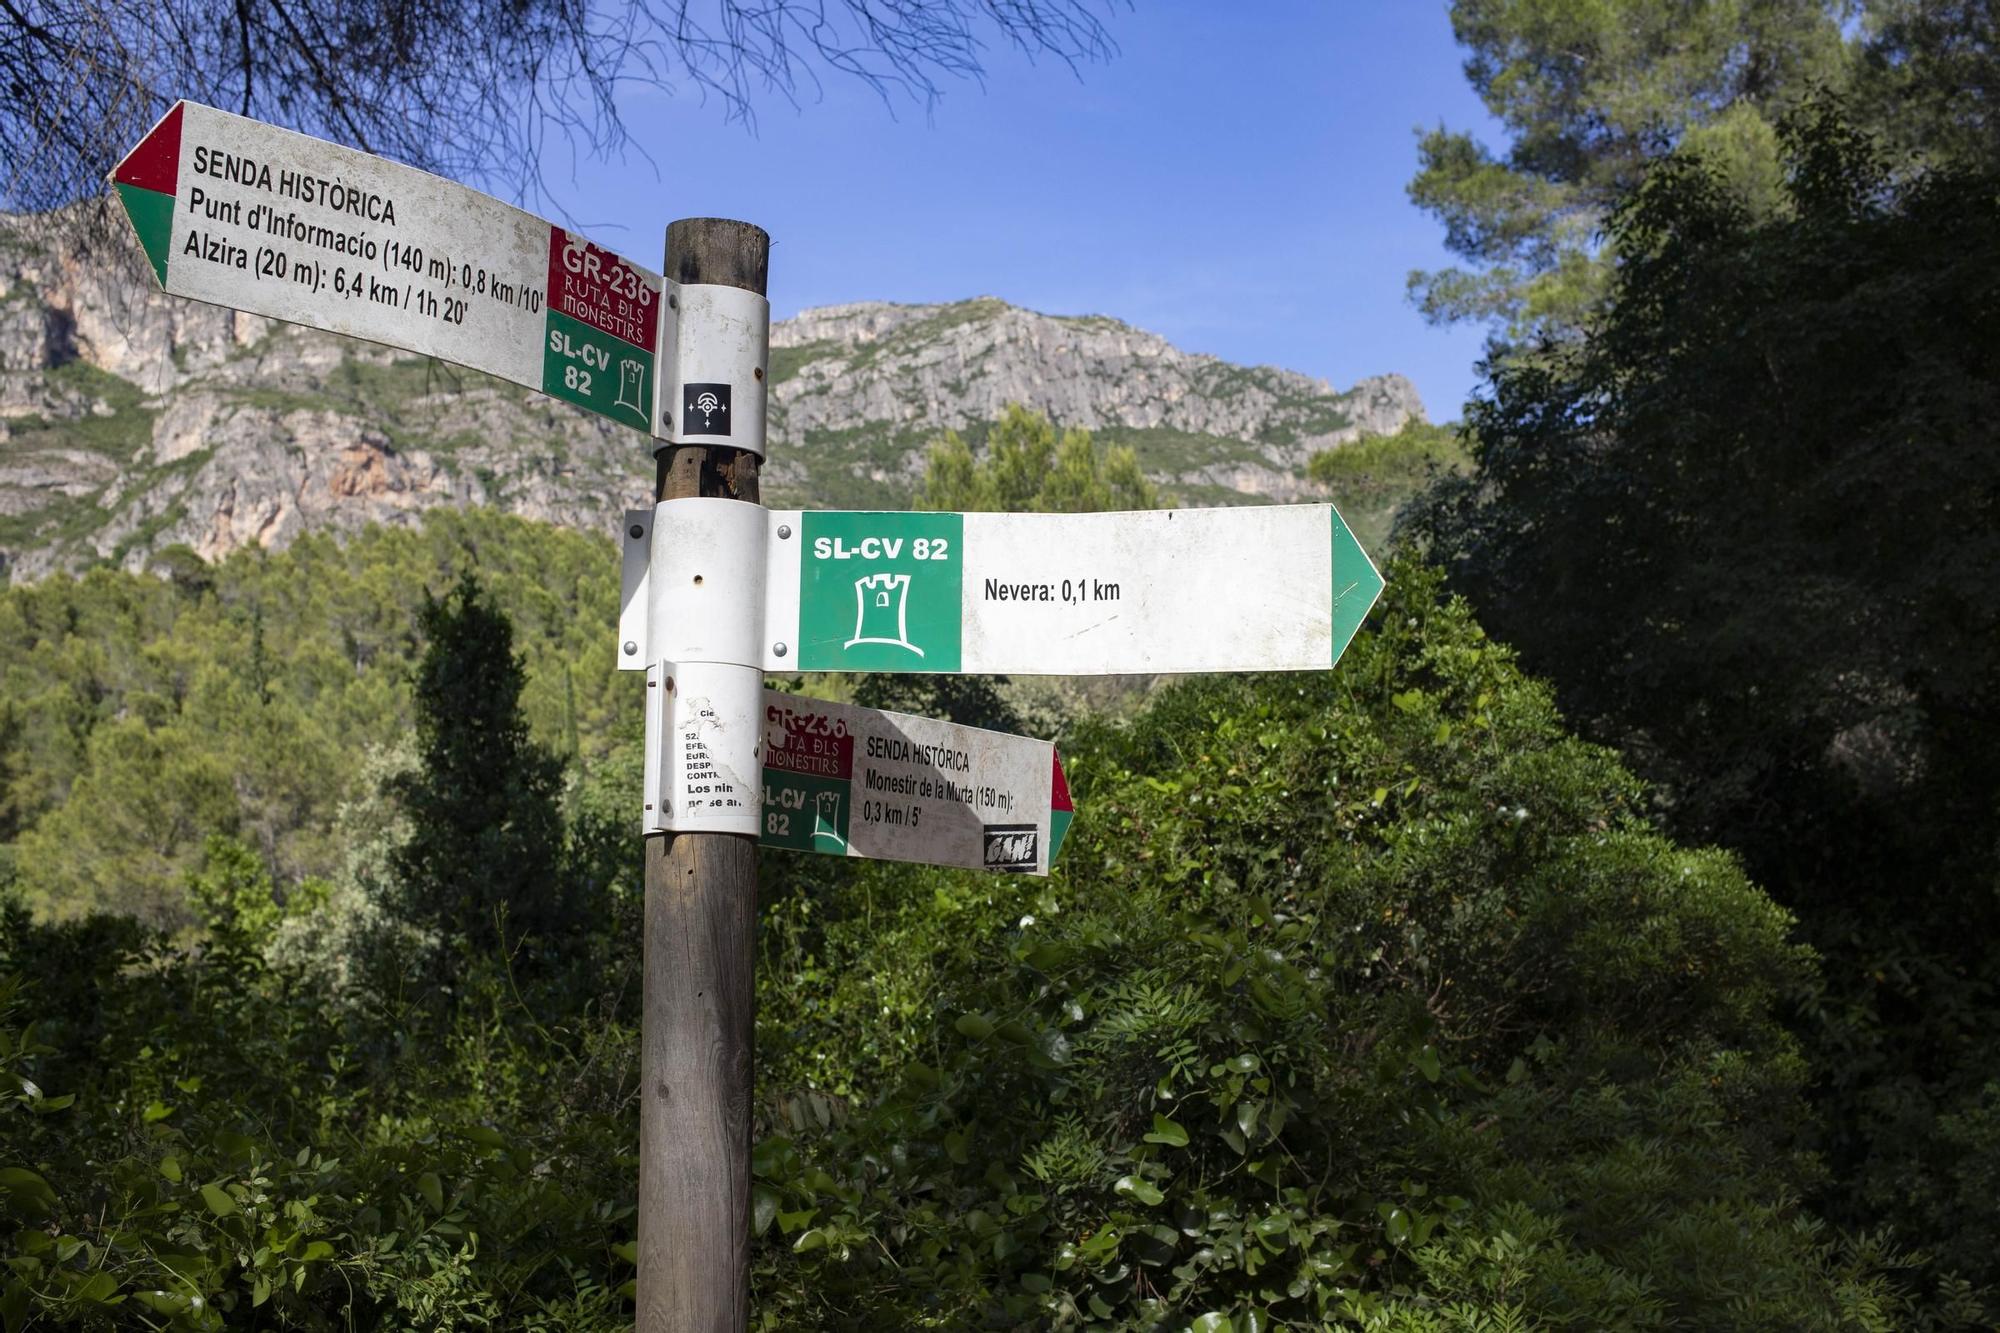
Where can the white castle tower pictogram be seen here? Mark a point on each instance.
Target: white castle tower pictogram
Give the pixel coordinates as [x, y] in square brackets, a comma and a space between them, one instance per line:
[882, 604]
[631, 384]
[826, 818]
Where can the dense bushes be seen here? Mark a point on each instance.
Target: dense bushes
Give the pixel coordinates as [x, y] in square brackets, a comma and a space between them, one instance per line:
[237, 1154]
[1362, 999]
[1367, 998]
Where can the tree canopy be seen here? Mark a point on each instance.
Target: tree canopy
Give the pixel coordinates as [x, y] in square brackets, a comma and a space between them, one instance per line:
[1749, 525]
[1029, 467]
[480, 864]
[1592, 94]
[1372, 480]
[253, 700]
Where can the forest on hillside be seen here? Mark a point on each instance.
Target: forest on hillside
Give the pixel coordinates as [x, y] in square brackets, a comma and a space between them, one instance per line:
[1608, 942]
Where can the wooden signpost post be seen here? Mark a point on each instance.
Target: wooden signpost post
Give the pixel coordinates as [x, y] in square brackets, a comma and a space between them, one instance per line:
[718, 591]
[700, 1002]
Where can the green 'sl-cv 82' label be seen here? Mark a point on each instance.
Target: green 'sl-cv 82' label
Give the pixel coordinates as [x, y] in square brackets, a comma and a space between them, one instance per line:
[881, 591]
[603, 330]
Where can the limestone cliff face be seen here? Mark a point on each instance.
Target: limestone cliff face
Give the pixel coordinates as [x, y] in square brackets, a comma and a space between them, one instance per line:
[1199, 423]
[132, 421]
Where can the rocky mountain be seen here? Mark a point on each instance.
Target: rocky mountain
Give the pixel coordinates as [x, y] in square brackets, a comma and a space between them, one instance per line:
[132, 421]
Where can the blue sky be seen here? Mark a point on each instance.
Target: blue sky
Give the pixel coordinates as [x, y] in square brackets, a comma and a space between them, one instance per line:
[1233, 179]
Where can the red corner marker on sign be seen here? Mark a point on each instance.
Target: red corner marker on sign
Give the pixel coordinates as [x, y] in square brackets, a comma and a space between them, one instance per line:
[146, 181]
[1061, 811]
[155, 163]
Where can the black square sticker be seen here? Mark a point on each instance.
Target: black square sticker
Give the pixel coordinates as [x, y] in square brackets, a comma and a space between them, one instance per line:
[705, 409]
[1011, 846]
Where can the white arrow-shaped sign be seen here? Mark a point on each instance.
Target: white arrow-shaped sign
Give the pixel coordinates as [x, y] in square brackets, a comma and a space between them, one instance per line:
[853, 781]
[243, 214]
[1274, 588]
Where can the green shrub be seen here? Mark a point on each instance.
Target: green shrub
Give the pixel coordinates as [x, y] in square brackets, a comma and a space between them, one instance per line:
[1746, 527]
[227, 1154]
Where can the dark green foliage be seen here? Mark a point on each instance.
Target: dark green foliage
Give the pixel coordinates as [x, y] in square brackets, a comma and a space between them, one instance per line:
[13, 777]
[1750, 528]
[974, 701]
[1591, 94]
[1364, 999]
[603, 864]
[480, 865]
[1931, 78]
[209, 1145]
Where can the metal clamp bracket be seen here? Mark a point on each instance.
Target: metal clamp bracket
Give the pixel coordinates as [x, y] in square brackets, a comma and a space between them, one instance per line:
[715, 348]
[693, 584]
[692, 618]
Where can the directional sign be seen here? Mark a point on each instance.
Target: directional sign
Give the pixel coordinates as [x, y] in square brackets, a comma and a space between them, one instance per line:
[853, 781]
[246, 215]
[1280, 588]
